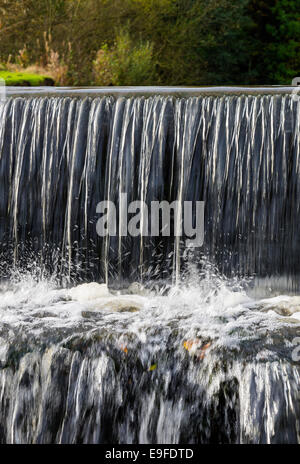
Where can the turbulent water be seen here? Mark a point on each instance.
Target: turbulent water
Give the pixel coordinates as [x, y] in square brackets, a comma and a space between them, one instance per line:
[161, 346]
[198, 363]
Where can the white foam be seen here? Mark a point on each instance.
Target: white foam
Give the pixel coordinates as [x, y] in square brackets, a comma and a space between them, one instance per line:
[208, 306]
[97, 297]
[88, 292]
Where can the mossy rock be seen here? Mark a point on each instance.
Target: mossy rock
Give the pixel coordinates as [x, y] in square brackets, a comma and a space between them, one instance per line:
[25, 79]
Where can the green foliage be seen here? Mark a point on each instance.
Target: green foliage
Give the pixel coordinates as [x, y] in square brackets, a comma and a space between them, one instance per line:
[165, 42]
[283, 52]
[275, 50]
[126, 63]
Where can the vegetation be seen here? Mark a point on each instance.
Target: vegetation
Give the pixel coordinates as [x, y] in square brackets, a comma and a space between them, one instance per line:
[159, 42]
[25, 79]
[125, 63]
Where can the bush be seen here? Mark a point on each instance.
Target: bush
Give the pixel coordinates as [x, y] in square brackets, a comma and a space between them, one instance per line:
[125, 63]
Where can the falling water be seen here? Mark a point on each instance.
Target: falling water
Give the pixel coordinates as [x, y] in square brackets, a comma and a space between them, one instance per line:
[61, 156]
[196, 359]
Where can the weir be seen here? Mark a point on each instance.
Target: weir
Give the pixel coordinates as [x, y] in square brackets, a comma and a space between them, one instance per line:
[161, 344]
[61, 155]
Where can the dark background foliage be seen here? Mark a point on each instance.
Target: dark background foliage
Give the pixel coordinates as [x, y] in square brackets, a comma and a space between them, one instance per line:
[160, 42]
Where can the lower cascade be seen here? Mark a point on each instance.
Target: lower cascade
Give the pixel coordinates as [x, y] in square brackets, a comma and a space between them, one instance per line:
[142, 339]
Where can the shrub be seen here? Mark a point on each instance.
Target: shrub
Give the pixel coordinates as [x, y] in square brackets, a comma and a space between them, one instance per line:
[125, 63]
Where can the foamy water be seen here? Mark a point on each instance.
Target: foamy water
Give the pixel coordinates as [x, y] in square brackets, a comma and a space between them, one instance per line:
[208, 360]
[198, 362]
[211, 307]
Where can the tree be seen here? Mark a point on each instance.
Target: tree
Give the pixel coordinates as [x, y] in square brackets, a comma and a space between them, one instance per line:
[283, 52]
[168, 42]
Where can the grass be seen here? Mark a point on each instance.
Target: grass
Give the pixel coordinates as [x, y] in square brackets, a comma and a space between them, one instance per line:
[25, 79]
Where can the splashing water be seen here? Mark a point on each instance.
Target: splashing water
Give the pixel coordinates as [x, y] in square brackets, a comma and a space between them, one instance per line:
[97, 345]
[200, 362]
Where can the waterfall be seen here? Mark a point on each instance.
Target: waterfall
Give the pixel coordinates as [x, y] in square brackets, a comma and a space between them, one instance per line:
[60, 156]
[139, 339]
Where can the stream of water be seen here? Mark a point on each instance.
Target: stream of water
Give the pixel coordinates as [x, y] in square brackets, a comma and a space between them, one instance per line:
[136, 339]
